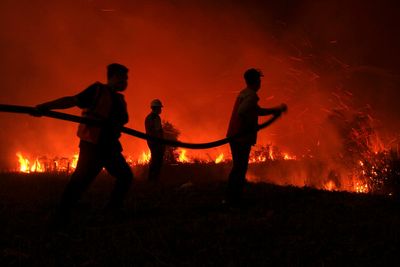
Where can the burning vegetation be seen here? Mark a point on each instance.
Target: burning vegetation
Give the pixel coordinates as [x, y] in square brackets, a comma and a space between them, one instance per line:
[363, 169]
[46, 164]
[360, 162]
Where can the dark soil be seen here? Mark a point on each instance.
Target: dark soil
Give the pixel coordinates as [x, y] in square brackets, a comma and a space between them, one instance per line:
[178, 222]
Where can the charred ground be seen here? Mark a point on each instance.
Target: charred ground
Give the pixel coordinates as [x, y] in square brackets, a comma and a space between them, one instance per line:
[180, 221]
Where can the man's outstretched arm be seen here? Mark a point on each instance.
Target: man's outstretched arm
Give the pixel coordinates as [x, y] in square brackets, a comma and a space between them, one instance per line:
[60, 103]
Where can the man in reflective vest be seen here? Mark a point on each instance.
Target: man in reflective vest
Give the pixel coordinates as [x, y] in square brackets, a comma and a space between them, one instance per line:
[244, 121]
[99, 145]
[154, 128]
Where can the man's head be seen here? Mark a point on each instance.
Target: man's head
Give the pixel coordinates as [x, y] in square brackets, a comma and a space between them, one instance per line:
[253, 78]
[156, 106]
[117, 76]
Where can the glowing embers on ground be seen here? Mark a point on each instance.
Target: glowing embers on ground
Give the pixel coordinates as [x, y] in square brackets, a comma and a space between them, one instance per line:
[360, 187]
[44, 164]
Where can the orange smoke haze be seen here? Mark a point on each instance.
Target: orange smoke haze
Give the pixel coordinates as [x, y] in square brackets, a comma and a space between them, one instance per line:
[191, 55]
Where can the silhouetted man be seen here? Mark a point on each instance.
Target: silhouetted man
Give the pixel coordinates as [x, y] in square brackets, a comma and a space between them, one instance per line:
[244, 119]
[154, 128]
[99, 145]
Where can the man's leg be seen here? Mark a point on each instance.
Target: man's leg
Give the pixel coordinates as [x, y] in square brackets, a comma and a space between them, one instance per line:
[117, 166]
[156, 161]
[88, 166]
[152, 164]
[237, 176]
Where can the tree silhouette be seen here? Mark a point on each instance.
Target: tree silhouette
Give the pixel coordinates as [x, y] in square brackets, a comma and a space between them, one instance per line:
[171, 133]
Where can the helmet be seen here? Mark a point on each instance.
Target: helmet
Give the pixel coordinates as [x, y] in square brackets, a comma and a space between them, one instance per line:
[156, 103]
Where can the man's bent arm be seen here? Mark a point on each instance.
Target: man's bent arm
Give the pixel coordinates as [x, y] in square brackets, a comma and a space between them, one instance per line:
[272, 111]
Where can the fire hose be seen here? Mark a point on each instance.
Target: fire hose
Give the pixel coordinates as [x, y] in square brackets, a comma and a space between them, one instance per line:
[77, 119]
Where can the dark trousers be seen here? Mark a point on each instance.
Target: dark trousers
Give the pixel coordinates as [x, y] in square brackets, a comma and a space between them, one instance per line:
[92, 159]
[237, 177]
[156, 161]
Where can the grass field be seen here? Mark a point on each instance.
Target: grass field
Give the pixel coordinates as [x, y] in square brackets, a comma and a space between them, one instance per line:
[180, 222]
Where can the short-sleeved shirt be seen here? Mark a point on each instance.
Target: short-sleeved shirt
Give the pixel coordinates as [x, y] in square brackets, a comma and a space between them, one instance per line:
[118, 115]
[244, 117]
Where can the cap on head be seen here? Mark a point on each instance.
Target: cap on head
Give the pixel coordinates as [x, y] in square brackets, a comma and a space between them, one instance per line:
[116, 69]
[156, 103]
[252, 75]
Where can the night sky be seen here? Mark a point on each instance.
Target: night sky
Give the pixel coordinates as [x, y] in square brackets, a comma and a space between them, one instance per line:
[316, 56]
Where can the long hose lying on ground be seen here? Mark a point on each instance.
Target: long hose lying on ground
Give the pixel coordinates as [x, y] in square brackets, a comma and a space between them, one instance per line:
[68, 117]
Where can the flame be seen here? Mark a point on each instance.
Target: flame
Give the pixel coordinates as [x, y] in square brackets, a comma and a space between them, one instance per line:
[130, 160]
[25, 166]
[37, 167]
[182, 156]
[62, 164]
[257, 159]
[286, 156]
[368, 167]
[145, 158]
[46, 165]
[220, 158]
[330, 186]
[271, 153]
[23, 163]
[74, 161]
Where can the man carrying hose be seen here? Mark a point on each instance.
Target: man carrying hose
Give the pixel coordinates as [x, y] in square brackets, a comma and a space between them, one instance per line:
[99, 145]
[154, 128]
[244, 121]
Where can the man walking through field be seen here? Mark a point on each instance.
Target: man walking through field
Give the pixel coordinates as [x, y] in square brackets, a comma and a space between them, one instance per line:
[244, 122]
[99, 145]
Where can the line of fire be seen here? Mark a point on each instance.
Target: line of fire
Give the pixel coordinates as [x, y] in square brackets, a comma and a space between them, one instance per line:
[363, 165]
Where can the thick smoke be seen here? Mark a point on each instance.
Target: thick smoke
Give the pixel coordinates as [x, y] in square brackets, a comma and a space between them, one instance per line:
[316, 57]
